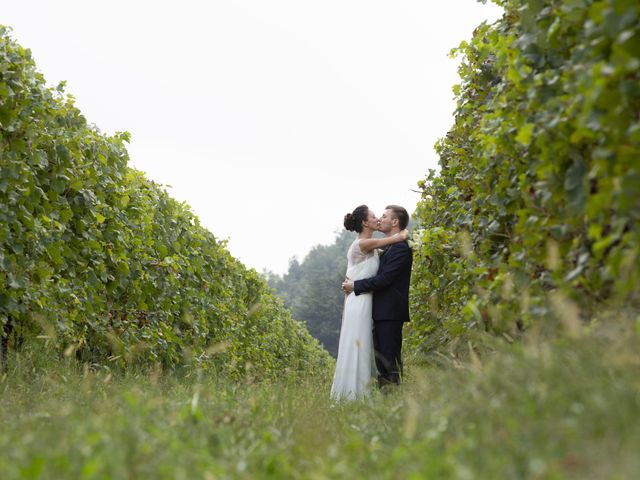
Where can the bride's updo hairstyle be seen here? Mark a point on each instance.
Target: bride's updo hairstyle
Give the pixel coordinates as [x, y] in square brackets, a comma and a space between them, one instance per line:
[353, 221]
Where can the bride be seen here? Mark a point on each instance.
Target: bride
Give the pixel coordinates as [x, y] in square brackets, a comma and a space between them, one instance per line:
[355, 349]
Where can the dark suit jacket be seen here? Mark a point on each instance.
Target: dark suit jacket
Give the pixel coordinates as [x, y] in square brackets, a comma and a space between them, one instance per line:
[390, 286]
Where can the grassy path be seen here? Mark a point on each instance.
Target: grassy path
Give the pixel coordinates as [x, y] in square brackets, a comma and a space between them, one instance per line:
[568, 410]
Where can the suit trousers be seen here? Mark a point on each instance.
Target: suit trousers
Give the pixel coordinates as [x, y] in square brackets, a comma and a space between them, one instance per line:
[387, 345]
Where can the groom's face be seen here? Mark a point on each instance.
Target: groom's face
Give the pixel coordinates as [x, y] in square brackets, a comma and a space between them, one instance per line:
[386, 221]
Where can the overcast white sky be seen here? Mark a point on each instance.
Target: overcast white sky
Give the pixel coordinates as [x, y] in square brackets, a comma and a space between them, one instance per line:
[272, 119]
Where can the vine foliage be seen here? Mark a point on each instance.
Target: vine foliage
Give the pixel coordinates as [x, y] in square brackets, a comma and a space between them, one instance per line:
[98, 261]
[537, 201]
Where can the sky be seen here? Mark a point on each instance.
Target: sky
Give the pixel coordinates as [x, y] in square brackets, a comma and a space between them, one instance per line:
[271, 119]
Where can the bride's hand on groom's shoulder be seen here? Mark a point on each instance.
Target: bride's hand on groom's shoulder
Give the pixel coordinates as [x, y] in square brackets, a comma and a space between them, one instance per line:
[404, 234]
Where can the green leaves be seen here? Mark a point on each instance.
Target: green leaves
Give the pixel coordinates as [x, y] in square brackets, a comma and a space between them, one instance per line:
[524, 134]
[113, 266]
[544, 151]
[574, 185]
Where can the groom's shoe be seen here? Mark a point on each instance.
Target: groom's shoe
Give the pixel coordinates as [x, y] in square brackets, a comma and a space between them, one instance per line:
[385, 382]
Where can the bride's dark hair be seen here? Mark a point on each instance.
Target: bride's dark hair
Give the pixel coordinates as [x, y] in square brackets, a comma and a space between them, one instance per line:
[353, 221]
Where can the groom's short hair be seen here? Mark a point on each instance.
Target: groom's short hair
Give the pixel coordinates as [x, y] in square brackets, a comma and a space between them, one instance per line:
[401, 214]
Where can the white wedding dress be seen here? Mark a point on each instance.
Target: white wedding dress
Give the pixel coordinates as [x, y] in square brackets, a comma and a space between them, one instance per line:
[355, 350]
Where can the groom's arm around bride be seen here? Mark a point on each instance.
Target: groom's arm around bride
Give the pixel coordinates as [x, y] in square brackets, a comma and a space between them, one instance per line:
[390, 287]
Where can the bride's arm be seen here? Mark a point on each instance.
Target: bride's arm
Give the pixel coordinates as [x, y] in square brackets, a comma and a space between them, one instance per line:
[372, 243]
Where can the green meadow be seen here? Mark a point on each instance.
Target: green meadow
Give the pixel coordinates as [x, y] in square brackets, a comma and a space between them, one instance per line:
[534, 409]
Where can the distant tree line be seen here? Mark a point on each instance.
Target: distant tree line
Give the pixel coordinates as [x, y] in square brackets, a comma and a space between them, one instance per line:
[311, 289]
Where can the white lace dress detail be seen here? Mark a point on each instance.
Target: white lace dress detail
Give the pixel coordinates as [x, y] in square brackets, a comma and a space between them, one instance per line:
[355, 349]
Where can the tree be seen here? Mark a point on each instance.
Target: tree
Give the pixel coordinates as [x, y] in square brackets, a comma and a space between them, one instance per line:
[311, 289]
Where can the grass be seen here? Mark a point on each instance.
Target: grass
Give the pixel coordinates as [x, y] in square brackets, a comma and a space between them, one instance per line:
[563, 409]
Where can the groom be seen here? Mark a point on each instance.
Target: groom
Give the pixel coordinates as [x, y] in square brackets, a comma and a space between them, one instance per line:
[390, 289]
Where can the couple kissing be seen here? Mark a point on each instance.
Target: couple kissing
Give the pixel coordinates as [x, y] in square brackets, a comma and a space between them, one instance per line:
[376, 302]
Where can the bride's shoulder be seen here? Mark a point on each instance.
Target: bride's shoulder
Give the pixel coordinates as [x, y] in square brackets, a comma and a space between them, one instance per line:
[355, 246]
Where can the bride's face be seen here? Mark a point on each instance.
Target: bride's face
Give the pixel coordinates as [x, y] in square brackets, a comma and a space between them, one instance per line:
[372, 221]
